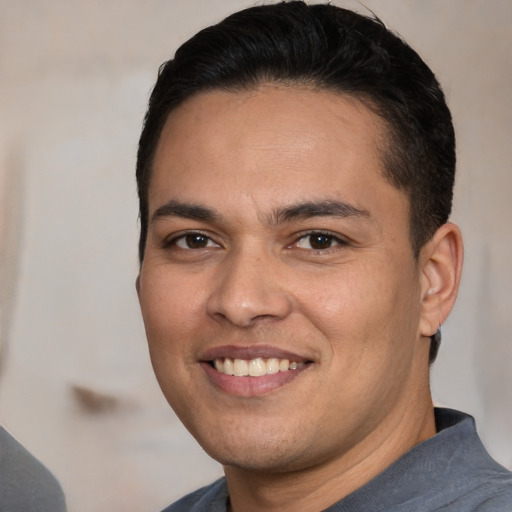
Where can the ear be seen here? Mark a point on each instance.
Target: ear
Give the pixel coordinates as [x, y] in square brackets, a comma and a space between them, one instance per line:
[441, 267]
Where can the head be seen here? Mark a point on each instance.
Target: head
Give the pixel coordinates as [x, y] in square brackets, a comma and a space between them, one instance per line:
[328, 248]
[326, 48]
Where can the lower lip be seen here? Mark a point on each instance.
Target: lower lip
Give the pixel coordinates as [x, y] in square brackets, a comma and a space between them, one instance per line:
[250, 386]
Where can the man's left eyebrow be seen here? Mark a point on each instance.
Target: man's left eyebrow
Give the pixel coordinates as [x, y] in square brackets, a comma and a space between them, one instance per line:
[328, 208]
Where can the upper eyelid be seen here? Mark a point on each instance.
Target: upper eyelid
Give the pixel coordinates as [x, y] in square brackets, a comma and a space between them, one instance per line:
[174, 237]
[323, 232]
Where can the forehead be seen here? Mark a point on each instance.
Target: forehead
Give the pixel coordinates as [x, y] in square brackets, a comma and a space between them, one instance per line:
[278, 141]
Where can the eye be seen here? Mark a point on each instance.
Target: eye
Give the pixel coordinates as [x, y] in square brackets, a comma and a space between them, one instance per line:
[318, 241]
[193, 241]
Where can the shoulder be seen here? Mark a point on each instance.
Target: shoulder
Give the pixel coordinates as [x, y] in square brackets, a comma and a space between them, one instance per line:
[495, 492]
[472, 479]
[212, 498]
[26, 484]
[471, 474]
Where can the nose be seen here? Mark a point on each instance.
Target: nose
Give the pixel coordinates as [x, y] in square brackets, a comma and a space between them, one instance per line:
[248, 289]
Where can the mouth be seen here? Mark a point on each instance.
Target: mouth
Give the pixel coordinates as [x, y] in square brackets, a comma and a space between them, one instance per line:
[252, 371]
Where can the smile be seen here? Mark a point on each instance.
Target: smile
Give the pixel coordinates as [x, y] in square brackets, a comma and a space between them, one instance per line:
[252, 370]
[257, 367]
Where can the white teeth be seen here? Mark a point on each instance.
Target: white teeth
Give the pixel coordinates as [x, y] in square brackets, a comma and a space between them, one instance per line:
[284, 365]
[257, 367]
[228, 366]
[272, 365]
[254, 367]
[241, 368]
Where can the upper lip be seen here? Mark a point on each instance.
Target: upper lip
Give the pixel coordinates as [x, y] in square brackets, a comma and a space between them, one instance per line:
[250, 352]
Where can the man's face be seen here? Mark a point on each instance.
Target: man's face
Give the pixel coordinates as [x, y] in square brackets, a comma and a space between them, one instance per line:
[275, 242]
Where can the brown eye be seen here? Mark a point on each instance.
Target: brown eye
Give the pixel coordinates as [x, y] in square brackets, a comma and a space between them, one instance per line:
[318, 241]
[194, 241]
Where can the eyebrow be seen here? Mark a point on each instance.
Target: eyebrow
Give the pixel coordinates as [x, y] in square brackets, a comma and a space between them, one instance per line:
[328, 208]
[294, 212]
[175, 208]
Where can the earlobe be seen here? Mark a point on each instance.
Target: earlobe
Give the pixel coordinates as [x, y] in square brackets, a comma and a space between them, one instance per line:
[441, 267]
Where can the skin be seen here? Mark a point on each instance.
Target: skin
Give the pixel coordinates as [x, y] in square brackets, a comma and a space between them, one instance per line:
[356, 305]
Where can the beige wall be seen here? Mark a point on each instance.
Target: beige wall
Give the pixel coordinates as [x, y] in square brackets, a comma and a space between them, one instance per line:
[74, 80]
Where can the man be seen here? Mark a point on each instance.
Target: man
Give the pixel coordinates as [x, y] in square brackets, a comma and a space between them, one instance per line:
[295, 177]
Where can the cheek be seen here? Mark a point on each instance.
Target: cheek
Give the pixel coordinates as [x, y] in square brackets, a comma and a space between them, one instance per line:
[368, 323]
[170, 318]
[358, 305]
[165, 296]
[172, 310]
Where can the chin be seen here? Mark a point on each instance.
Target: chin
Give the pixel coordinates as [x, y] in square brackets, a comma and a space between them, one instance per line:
[266, 462]
[262, 451]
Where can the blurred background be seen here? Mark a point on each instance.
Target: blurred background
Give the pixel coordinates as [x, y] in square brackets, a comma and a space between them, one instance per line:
[76, 386]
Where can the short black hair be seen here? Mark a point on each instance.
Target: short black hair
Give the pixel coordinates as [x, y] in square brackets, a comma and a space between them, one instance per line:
[327, 48]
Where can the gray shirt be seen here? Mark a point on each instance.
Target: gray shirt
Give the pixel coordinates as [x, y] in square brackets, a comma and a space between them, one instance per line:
[450, 472]
[25, 484]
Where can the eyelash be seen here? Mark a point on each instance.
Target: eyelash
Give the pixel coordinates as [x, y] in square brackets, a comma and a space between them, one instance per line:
[333, 240]
[173, 242]
[336, 240]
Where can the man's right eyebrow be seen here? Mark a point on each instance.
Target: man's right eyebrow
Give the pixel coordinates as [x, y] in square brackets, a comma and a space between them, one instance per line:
[174, 208]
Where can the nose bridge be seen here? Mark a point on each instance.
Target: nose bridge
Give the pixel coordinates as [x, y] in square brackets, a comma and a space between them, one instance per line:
[249, 287]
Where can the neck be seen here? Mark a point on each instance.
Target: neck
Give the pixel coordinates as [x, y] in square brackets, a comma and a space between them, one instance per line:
[315, 488]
